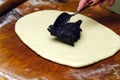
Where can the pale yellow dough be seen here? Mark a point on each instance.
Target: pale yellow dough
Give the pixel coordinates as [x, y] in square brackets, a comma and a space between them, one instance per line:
[97, 41]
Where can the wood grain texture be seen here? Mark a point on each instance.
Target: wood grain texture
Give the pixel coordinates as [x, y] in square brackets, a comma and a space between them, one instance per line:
[19, 62]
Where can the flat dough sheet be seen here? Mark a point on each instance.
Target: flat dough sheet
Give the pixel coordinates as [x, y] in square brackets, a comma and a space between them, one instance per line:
[97, 42]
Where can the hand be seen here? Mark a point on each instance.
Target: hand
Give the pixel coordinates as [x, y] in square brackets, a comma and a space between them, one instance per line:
[104, 3]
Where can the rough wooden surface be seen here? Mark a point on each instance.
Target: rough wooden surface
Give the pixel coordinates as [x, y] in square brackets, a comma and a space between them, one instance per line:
[19, 62]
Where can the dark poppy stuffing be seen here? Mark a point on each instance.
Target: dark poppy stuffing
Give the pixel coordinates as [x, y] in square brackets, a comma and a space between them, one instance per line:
[67, 32]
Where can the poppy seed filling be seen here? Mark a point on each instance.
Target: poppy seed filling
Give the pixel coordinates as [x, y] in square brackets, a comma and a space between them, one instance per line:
[67, 32]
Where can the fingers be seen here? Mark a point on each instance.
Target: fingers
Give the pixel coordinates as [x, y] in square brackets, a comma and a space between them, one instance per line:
[108, 3]
[81, 4]
[111, 3]
[105, 3]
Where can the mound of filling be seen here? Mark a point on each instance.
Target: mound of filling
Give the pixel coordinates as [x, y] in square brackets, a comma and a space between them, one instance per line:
[65, 31]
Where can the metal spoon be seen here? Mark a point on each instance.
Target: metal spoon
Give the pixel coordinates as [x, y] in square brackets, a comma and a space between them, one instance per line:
[86, 6]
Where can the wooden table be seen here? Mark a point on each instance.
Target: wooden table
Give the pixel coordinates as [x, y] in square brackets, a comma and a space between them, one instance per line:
[18, 62]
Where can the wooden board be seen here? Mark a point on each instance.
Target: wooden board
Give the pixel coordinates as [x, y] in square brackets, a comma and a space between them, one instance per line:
[19, 62]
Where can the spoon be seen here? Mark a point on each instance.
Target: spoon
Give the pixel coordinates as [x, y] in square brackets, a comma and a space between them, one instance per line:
[86, 6]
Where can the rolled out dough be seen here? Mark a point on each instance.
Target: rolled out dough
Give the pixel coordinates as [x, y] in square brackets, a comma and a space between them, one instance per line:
[97, 41]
